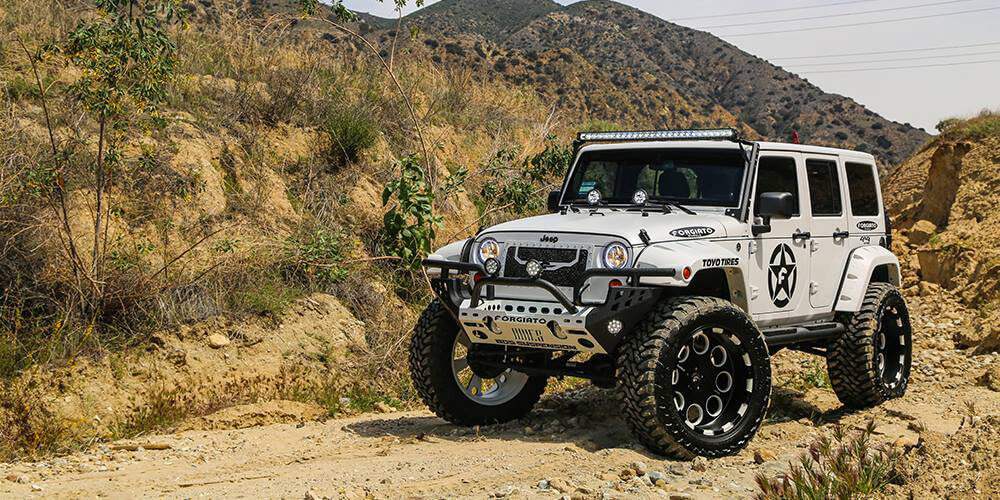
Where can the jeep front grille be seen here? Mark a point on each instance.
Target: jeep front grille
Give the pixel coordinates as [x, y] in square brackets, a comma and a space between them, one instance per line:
[566, 265]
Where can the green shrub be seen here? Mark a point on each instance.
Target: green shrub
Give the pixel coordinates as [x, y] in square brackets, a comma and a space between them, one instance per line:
[409, 227]
[352, 130]
[315, 258]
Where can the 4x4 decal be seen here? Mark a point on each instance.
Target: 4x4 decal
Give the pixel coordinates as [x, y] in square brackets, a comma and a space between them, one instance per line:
[782, 275]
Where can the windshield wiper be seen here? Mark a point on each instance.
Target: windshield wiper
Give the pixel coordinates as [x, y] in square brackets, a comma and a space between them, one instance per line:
[668, 206]
[680, 207]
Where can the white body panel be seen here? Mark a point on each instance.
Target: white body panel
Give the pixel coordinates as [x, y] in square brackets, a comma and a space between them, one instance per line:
[860, 266]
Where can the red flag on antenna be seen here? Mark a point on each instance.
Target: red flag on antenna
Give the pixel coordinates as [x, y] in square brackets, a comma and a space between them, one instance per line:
[795, 137]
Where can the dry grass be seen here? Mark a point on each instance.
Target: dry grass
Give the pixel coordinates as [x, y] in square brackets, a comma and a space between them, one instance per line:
[842, 467]
[985, 124]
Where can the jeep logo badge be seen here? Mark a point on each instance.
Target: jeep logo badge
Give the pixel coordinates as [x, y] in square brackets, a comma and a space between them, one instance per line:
[550, 239]
[692, 232]
[867, 225]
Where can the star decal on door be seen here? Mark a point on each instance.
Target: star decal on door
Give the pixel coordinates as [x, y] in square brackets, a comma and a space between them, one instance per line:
[782, 275]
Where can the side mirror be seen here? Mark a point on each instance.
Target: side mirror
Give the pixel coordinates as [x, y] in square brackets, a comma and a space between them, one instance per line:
[553, 203]
[779, 205]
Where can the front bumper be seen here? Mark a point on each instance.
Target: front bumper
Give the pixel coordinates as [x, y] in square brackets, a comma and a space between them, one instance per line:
[575, 324]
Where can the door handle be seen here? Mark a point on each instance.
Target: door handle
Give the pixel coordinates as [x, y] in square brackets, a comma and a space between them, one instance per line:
[798, 235]
[841, 235]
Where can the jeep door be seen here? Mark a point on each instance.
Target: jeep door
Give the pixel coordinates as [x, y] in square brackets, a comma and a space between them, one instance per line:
[780, 259]
[829, 231]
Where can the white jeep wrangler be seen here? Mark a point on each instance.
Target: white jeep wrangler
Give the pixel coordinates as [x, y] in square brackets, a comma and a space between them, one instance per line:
[673, 264]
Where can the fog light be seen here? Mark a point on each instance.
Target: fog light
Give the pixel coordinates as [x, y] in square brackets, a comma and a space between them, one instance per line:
[615, 327]
[492, 267]
[533, 268]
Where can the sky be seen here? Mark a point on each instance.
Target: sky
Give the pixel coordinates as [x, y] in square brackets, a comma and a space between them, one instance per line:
[921, 96]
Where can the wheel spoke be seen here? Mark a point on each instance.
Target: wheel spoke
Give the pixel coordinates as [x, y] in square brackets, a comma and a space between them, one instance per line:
[474, 386]
[460, 364]
[463, 338]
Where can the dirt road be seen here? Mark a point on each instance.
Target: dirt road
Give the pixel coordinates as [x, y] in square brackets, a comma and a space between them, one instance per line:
[573, 444]
[573, 441]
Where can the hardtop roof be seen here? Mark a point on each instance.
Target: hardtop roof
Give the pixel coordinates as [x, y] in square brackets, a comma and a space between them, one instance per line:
[710, 144]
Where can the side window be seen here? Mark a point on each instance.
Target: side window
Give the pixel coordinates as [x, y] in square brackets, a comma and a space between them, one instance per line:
[824, 187]
[861, 184]
[776, 174]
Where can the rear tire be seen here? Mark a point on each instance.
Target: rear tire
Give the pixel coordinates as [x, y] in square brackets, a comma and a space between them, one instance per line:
[695, 378]
[451, 388]
[870, 362]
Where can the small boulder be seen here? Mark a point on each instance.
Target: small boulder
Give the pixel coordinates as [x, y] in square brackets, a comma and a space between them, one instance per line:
[991, 379]
[382, 407]
[561, 485]
[762, 455]
[17, 478]
[699, 464]
[217, 341]
[656, 476]
[906, 441]
[639, 468]
[921, 232]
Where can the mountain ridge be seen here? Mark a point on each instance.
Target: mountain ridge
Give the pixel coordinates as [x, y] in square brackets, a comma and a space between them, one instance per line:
[641, 70]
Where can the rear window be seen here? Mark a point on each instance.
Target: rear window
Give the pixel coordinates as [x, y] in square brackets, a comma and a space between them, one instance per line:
[824, 187]
[864, 195]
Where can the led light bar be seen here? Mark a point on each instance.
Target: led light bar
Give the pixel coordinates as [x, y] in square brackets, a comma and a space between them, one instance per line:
[660, 135]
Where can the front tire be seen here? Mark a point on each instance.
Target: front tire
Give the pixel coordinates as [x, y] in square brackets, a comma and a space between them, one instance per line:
[454, 390]
[695, 378]
[870, 362]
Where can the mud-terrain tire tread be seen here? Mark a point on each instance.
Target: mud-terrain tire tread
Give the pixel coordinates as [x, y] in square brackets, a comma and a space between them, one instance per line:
[850, 361]
[637, 363]
[432, 341]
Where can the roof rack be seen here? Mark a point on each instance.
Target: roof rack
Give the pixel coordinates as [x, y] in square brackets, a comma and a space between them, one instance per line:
[717, 134]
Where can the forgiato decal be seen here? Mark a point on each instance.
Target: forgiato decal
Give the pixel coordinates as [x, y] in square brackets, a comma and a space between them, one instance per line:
[867, 225]
[692, 232]
[520, 319]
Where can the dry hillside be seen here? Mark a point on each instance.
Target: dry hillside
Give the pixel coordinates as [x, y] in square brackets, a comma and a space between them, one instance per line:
[944, 203]
[618, 63]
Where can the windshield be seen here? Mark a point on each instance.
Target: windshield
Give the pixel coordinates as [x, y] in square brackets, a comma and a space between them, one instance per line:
[704, 177]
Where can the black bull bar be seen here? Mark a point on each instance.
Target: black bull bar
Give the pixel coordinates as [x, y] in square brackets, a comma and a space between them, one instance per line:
[571, 306]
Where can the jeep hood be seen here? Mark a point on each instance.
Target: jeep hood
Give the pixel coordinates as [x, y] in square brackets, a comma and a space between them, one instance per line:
[625, 225]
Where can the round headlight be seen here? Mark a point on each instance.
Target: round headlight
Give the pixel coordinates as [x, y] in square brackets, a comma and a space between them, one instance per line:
[488, 249]
[615, 256]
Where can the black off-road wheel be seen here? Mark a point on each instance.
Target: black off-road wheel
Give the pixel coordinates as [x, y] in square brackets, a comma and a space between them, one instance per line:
[870, 362]
[695, 378]
[460, 392]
